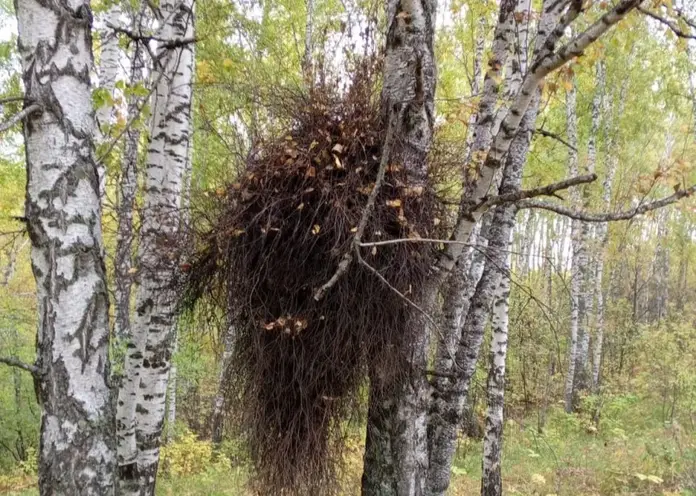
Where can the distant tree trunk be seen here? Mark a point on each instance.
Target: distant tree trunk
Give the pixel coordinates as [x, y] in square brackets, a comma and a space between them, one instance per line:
[77, 451]
[661, 264]
[218, 415]
[171, 397]
[143, 397]
[307, 55]
[602, 232]
[396, 457]
[108, 73]
[582, 380]
[123, 263]
[575, 278]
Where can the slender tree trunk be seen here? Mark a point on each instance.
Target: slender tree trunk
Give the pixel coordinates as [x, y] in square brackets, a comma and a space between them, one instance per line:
[584, 263]
[603, 232]
[126, 200]
[171, 397]
[218, 415]
[443, 427]
[491, 477]
[77, 451]
[142, 408]
[575, 278]
[396, 457]
[307, 55]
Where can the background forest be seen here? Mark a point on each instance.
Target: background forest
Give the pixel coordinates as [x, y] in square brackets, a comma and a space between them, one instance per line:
[588, 325]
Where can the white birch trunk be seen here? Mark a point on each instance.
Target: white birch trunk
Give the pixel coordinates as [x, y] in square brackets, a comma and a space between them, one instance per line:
[572, 135]
[143, 396]
[126, 200]
[584, 247]
[63, 214]
[396, 457]
[491, 477]
[603, 232]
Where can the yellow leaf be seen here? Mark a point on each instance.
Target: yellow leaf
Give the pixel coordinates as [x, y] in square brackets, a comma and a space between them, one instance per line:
[132, 270]
[353, 229]
[339, 165]
[394, 203]
[300, 206]
[315, 229]
[338, 148]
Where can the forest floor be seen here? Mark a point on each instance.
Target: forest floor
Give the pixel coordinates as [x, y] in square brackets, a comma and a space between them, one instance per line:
[634, 452]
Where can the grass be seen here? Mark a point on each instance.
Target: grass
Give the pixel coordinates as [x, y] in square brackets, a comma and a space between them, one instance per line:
[632, 453]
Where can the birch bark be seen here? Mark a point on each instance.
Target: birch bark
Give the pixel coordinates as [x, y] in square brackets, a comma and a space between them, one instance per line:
[143, 397]
[584, 245]
[448, 404]
[63, 215]
[126, 198]
[396, 456]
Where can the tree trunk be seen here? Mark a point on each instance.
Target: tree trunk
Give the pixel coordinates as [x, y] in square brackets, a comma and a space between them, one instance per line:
[171, 397]
[217, 418]
[396, 456]
[126, 200]
[142, 399]
[575, 229]
[602, 232]
[491, 477]
[63, 215]
[584, 263]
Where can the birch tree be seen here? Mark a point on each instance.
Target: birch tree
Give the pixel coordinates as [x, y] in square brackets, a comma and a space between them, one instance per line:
[395, 449]
[142, 398]
[63, 216]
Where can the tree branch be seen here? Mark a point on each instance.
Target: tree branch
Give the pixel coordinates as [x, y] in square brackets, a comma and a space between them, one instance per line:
[165, 43]
[548, 190]
[10, 99]
[555, 136]
[19, 116]
[670, 24]
[608, 216]
[13, 362]
[369, 207]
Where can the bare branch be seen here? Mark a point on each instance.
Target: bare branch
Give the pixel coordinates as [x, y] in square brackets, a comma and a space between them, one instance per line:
[13, 362]
[670, 24]
[10, 99]
[19, 116]
[548, 134]
[399, 293]
[164, 42]
[608, 216]
[548, 190]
